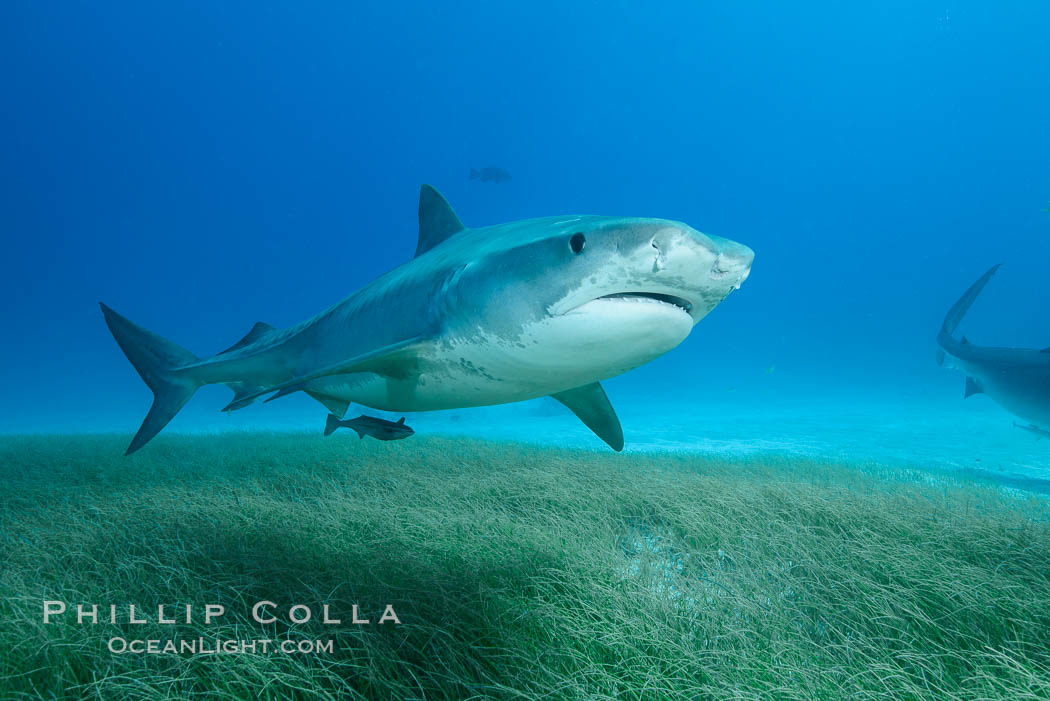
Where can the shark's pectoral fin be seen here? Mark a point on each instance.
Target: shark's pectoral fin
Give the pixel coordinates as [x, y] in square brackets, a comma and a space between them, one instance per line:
[394, 360]
[592, 406]
[334, 405]
[972, 388]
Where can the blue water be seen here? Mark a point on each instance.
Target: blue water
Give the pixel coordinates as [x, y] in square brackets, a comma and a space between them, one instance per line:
[203, 166]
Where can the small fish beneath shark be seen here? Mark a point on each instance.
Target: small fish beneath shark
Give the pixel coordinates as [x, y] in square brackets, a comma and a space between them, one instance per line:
[380, 429]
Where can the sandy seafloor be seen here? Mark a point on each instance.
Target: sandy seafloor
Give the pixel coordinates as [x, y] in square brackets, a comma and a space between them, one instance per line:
[975, 437]
[928, 431]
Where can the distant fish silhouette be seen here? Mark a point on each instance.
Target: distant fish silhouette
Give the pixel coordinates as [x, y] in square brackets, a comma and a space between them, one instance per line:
[369, 425]
[1032, 428]
[491, 174]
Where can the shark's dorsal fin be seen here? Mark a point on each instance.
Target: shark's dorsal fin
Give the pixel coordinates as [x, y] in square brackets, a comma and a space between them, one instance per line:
[591, 405]
[258, 331]
[972, 388]
[437, 221]
[401, 420]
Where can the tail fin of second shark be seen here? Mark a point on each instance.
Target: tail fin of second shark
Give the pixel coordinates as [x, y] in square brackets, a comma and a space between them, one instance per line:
[959, 309]
[157, 361]
[331, 424]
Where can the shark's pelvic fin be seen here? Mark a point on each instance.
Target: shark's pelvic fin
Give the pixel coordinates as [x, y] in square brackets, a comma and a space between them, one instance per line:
[592, 406]
[336, 406]
[437, 221]
[157, 361]
[258, 331]
[972, 388]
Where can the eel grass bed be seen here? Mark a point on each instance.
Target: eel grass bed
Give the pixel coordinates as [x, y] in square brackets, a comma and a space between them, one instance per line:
[517, 572]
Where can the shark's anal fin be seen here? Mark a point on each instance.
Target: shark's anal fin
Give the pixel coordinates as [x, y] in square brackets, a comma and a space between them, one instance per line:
[258, 331]
[240, 391]
[437, 221]
[972, 388]
[389, 360]
[592, 406]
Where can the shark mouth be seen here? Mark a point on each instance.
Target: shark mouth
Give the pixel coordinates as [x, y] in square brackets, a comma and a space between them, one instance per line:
[652, 297]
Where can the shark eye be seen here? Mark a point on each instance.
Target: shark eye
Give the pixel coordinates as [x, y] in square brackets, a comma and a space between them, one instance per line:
[577, 242]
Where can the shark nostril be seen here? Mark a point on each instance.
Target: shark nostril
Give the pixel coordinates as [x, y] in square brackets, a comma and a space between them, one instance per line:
[658, 262]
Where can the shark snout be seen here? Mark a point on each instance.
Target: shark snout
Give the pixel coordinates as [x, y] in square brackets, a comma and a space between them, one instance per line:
[733, 261]
[729, 261]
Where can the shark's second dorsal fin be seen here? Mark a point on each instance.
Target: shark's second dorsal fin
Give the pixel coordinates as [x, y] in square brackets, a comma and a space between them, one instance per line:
[437, 221]
[258, 331]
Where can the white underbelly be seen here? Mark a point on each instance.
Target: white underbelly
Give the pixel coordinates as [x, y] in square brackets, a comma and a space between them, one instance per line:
[449, 380]
[549, 357]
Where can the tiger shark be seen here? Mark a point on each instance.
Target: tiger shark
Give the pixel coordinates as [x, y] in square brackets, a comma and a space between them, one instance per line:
[1018, 379]
[479, 316]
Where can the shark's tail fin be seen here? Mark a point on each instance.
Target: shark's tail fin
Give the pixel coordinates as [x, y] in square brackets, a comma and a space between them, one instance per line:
[331, 424]
[959, 309]
[157, 361]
